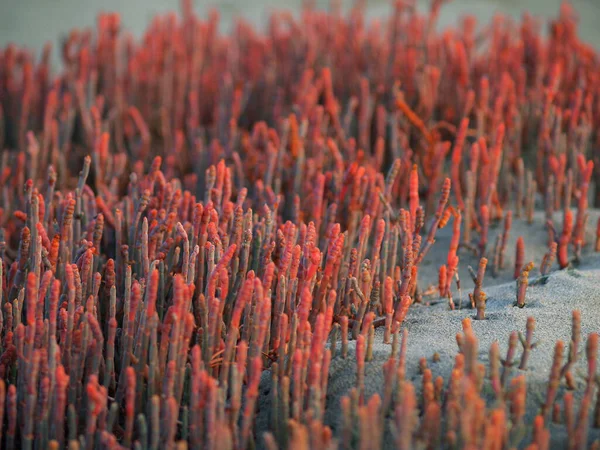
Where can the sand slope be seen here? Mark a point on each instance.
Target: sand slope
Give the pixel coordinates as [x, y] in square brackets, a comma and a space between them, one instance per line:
[432, 327]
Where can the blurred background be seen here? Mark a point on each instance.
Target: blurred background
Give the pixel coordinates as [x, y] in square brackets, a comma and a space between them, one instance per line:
[31, 23]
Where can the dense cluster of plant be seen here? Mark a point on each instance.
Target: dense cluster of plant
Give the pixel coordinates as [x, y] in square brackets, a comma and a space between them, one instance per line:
[182, 213]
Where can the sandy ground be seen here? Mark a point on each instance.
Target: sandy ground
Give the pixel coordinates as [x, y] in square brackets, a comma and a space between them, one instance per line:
[432, 327]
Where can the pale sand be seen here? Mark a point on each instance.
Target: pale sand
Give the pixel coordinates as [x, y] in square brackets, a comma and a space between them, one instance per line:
[432, 328]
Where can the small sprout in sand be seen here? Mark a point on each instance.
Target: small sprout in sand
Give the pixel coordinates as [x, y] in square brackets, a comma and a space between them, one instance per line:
[502, 243]
[370, 339]
[496, 257]
[478, 298]
[509, 362]
[457, 278]
[360, 366]
[565, 238]
[485, 226]
[388, 305]
[517, 396]
[522, 283]
[444, 291]
[344, 327]
[548, 259]
[422, 365]
[527, 342]
[573, 350]
[554, 378]
[469, 208]
[556, 416]
[585, 169]
[519, 257]
[495, 362]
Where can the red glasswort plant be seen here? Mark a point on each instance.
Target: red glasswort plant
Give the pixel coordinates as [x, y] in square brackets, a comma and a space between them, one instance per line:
[183, 215]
